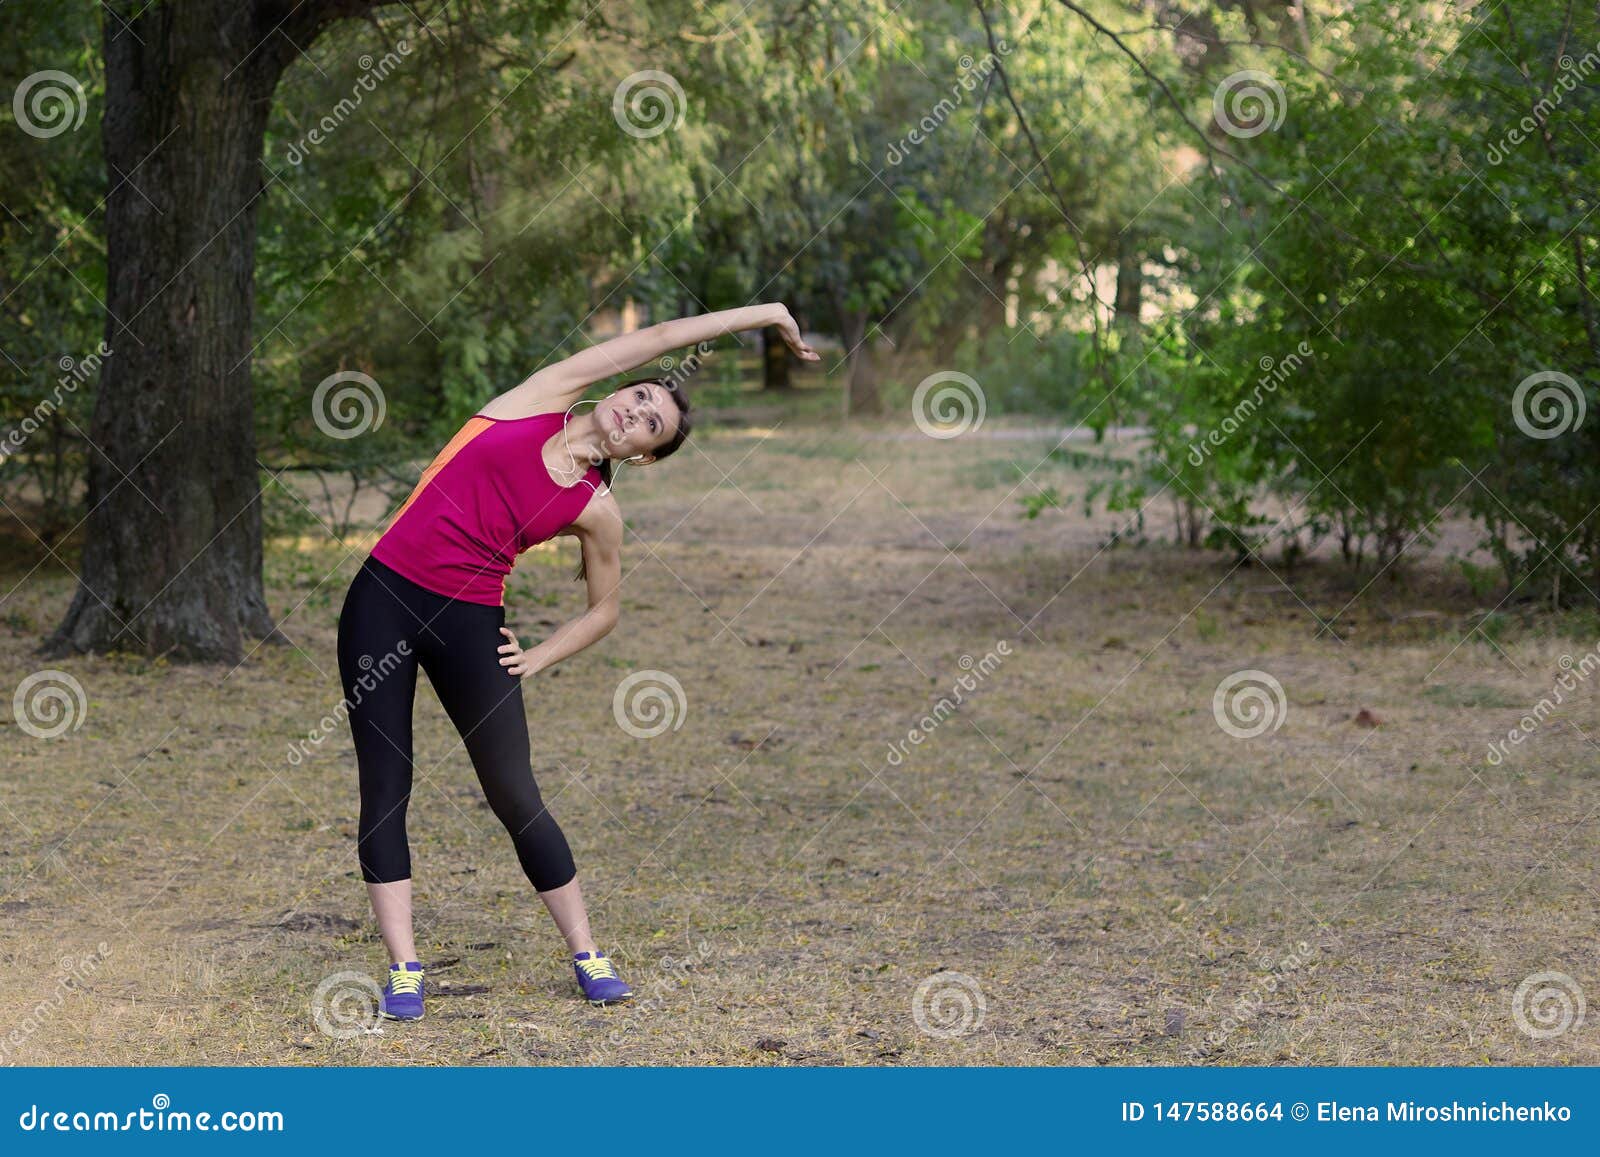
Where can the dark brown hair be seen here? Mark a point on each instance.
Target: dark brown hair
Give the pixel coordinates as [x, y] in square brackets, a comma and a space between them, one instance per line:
[676, 392]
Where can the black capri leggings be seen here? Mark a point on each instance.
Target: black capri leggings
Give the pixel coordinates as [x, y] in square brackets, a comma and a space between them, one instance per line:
[387, 627]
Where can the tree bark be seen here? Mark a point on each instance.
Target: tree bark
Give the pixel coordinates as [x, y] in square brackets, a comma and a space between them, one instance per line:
[172, 559]
[995, 269]
[774, 361]
[1130, 280]
[863, 397]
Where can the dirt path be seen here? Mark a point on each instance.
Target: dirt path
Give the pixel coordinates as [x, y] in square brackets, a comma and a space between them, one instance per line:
[1075, 864]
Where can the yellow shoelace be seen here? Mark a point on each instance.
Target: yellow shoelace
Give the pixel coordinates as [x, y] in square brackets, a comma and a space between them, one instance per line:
[598, 967]
[403, 981]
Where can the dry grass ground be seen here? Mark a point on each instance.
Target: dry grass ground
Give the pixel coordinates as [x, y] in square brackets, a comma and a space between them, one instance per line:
[1123, 880]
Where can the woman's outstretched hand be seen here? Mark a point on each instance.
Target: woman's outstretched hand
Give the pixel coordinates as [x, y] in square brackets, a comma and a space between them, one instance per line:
[512, 657]
[791, 337]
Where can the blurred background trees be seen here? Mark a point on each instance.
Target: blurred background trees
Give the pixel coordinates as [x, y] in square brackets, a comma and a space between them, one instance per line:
[1334, 262]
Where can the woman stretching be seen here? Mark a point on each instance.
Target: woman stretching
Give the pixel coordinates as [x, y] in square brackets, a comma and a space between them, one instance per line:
[522, 470]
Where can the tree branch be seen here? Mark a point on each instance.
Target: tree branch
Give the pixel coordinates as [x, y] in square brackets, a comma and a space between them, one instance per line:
[1061, 204]
[1214, 150]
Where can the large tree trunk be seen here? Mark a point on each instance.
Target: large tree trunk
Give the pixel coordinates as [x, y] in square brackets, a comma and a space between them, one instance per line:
[172, 559]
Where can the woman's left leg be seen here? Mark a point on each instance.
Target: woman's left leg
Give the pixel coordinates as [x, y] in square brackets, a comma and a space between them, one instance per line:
[484, 701]
[565, 905]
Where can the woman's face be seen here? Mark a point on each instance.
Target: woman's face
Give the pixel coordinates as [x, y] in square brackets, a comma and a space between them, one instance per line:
[637, 420]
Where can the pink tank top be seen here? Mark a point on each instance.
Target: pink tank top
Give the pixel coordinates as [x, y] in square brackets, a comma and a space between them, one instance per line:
[485, 499]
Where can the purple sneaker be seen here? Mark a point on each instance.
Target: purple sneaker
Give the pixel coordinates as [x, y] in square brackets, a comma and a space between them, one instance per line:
[402, 996]
[598, 979]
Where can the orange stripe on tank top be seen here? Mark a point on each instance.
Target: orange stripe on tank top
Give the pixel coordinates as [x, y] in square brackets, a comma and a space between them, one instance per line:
[467, 433]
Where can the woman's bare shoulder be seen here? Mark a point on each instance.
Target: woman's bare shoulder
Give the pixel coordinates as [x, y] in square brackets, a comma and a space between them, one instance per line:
[600, 518]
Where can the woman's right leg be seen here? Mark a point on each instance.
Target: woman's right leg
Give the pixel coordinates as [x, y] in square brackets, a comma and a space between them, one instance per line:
[378, 671]
[484, 701]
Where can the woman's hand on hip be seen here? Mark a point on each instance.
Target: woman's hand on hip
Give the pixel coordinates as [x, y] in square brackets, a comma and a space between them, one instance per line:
[513, 658]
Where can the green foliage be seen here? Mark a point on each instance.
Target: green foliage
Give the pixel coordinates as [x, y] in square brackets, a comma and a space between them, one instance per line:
[1381, 284]
[52, 262]
[1324, 322]
[1034, 504]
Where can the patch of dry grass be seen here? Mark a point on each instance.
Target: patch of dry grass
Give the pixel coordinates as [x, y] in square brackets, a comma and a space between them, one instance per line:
[1123, 881]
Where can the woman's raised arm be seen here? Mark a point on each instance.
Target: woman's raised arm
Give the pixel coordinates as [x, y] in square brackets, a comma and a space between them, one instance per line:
[557, 386]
